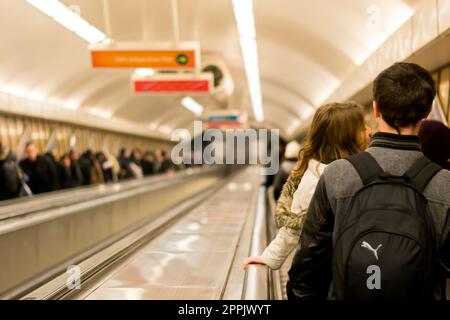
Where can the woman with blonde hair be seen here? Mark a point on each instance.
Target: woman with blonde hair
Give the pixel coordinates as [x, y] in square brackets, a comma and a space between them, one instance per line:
[337, 130]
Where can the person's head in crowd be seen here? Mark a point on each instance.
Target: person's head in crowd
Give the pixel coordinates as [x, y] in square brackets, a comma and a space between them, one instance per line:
[74, 155]
[124, 153]
[164, 154]
[158, 154]
[137, 154]
[50, 153]
[337, 130]
[65, 160]
[403, 95]
[88, 154]
[101, 157]
[435, 141]
[148, 156]
[31, 151]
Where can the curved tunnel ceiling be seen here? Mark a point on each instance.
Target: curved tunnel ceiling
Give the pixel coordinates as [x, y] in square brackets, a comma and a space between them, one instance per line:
[305, 50]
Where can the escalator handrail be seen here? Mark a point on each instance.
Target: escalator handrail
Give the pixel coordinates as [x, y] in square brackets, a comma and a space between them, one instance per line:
[21, 206]
[256, 280]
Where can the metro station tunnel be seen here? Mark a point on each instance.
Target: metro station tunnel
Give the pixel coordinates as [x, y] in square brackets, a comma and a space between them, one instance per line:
[224, 150]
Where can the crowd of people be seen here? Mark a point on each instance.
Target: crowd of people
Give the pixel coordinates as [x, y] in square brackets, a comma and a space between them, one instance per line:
[367, 215]
[40, 173]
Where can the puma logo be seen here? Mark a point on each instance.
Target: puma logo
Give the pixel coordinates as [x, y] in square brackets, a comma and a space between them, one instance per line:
[366, 245]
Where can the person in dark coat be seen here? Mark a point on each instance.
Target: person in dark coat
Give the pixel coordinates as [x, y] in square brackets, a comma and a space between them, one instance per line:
[106, 166]
[40, 172]
[85, 167]
[435, 142]
[147, 164]
[65, 172]
[90, 168]
[9, 175]
[124, 161]
[55, 164]
[166, 164]
[136, 157]
[77, 176]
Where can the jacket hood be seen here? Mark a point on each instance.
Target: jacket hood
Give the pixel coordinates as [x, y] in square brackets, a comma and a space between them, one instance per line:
[305, 191]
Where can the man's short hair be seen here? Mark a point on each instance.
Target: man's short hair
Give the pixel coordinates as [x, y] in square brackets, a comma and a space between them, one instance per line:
[404, 93]
[29, 143]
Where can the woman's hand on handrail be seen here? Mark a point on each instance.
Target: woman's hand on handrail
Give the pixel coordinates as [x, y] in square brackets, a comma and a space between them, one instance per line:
[252, 260]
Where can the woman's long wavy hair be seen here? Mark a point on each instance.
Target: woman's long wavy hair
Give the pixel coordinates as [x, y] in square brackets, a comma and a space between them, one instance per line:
[337, 131]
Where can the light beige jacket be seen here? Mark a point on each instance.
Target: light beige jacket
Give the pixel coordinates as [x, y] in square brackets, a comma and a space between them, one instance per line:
[290, 214]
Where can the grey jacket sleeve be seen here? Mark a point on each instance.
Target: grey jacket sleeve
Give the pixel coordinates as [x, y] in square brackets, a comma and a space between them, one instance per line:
[310, 273]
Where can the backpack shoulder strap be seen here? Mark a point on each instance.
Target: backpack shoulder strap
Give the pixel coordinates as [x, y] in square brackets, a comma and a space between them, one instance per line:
[366, 166]
[421, 172]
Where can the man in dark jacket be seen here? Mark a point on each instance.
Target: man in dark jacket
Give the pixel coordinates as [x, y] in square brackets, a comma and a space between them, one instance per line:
[9, 175]
[85, 167]
[124, 161]
[147, 164]
[166, 164]
[77, 176]
[66, 179]
[403, 95]
[90, 168]
[41, 175]
[55, 164]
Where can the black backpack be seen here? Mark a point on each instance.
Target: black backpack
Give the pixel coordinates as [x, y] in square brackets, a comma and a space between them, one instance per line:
[385, 249]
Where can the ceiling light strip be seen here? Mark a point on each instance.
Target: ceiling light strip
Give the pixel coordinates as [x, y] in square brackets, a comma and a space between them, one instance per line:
[68, 19]
[245, 20]
[192, 105]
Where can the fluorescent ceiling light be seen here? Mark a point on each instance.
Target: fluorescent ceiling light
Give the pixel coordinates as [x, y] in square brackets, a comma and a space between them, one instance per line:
[69, 104]
[100, 113]
[244, 5]
[70, 20]
[39, 97]
[36, 96]
[144, 72]
[249, 51]
[245, 20]
[192, 105]
[15, 91]
[20, 92]
[165, 130]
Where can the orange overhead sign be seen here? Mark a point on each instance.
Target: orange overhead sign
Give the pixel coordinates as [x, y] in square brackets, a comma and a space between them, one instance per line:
[144, 59]
[142, 56]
